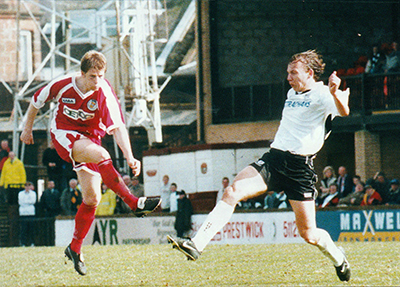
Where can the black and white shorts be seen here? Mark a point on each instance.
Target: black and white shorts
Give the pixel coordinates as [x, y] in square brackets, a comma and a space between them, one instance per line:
[294, 174]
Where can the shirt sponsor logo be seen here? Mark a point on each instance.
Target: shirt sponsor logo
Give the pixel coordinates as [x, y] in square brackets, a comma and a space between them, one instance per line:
[297, 104]
[68, 101]
[92, 105]
[78, 114]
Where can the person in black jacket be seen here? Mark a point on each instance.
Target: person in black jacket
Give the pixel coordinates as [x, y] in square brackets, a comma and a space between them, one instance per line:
[344, 182]
[55, 166]
[50, 200]
[183, 221]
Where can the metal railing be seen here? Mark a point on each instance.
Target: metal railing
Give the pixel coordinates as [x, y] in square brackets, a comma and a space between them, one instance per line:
[373, 93]
[44, 231]
[369, 93]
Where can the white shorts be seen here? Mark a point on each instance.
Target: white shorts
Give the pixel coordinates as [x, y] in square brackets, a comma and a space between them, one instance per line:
[63, 141]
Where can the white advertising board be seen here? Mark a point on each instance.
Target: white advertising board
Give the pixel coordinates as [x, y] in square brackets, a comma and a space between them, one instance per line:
[243, 228]
[255, 228]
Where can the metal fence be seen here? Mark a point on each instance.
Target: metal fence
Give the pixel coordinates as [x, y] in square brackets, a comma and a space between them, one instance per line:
[373, 93]
[44, 232]
[369, 93]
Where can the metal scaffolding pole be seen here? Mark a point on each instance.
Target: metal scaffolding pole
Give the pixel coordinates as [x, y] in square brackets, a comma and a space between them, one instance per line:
[135, 21]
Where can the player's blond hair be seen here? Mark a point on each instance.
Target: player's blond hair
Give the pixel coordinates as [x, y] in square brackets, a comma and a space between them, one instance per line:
[93, 60]
[312, 60]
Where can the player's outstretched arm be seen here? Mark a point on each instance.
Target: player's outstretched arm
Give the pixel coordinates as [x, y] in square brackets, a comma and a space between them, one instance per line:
[27, 135]
[122, 138]
[341, 97]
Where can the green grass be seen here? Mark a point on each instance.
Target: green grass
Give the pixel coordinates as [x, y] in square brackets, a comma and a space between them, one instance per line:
[373, 264]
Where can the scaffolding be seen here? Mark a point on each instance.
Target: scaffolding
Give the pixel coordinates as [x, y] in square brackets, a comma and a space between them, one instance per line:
[133, 43]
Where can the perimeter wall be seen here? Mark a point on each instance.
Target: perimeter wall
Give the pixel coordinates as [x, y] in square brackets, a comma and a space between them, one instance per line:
[243, 228]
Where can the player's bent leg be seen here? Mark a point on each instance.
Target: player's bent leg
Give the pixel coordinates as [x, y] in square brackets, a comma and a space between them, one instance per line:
[248, 183]
[84, 150]
[306, 224]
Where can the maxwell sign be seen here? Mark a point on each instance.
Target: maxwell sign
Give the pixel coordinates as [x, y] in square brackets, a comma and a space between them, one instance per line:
[361, 225]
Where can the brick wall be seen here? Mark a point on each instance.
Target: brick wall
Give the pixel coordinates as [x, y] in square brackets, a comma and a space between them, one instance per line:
[8, 43]
[255, 38]
[390, 155]
[377, 152]
[367, 153]
[8, 30]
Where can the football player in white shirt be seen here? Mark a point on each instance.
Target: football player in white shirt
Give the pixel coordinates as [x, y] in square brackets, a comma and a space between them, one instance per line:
[86, 109]
[288, 165]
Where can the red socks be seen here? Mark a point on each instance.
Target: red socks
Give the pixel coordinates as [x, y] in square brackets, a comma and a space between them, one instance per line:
[85, 215]
[114, 181]
[83, 220]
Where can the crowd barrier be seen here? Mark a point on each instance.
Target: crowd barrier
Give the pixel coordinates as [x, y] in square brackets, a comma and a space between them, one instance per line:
[252, 227]
[243, 227]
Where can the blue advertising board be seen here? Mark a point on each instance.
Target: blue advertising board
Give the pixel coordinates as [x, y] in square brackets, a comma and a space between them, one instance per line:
[361, 225]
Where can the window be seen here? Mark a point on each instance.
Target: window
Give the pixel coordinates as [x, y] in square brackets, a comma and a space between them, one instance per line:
[25, 54]
[107, 23]
[82, 26]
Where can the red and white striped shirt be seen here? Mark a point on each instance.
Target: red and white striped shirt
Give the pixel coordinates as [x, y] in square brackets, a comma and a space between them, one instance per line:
[92, 114]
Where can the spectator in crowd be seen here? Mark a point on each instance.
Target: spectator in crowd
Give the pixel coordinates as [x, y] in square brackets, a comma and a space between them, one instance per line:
[128, 181]
[107, 203]
[321, 197]
[183, 219]
[271, 200]
[376, 61]
[50, 200]
[355, 198]
[4, 150]
[328, 177]
[55, 166]
[356, 180]
[121, 207]
[71, 198]
[344, 182]
[382, 185]
[283, 200]
[137, 187]
[371, 196]
[246, 204]
[394, 192]
[26, 201]
[332, 198]
[225, 184]
[13, 177]
[173, 198]
[165, 194]
[393, 59]
[275, 200]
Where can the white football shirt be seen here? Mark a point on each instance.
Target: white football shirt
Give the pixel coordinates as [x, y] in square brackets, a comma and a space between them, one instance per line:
[302, 127]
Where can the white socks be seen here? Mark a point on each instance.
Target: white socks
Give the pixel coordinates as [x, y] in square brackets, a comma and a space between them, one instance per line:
[329, 249]
[220, 216]
[214, 222]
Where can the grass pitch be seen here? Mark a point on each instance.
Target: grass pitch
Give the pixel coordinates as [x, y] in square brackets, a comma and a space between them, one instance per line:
[373, 264]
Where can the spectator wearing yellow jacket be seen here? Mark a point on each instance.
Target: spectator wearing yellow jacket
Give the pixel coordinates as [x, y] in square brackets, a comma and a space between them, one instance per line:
[13, 177]
[107, 203]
